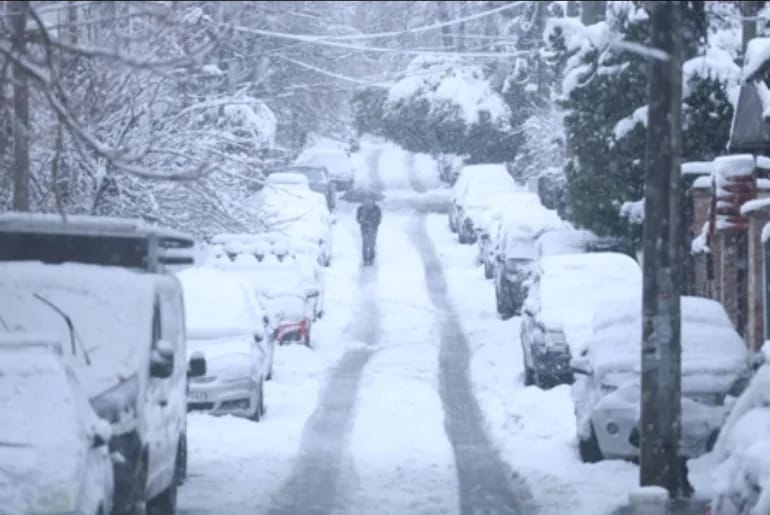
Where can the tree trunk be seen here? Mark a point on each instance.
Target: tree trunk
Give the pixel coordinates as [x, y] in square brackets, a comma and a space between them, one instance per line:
[592, 12]
[443, 16]
[660, 461]
[460, 36]
[749, 9]
[20, 110]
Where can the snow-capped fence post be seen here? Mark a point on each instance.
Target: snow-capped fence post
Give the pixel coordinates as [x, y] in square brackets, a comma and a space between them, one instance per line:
[660, 428]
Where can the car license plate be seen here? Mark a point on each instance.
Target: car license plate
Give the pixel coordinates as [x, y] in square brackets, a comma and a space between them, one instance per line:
[198, 397]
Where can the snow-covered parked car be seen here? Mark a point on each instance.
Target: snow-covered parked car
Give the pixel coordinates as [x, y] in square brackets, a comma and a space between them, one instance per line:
[126, 341]
[482, 178]
[291, 301]
[478, 201]
[318, 181]
[226, 326]
[742, 451]
[516, 253]
[557, 314]
[607, 390]
[492, 222]
[53, 446]
[247, 251]
[287, 205]
[335, 160]
[564, 241]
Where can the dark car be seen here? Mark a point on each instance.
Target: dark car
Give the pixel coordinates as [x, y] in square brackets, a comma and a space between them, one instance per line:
[319, 180]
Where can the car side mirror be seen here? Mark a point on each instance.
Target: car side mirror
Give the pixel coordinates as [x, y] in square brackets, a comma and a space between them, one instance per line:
[197, 365]
[581, 366]
[162, 360]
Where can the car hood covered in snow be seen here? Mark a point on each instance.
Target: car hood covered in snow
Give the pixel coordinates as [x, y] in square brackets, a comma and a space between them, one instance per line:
[713, 354]
[110, 308]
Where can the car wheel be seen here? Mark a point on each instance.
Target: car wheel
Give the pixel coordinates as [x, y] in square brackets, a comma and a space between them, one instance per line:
[165, 502]
[259, 403]
[181, 461]
[504, 303]
[489, 273]
[529, 375]
[589, 448]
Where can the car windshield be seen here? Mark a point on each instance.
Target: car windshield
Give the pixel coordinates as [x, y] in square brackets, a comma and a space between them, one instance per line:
[34, 396]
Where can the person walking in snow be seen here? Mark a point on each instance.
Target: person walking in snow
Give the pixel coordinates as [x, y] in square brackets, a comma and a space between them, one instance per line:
[368, 216]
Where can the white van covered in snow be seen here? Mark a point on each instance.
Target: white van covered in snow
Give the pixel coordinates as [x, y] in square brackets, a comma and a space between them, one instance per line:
[124, 334]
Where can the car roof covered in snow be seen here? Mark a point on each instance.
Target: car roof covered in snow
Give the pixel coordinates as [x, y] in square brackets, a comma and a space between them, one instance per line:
[710, 344]
[571, 285]
[287, 179]
[111, 309]
[217, 303]
[563, 241]
[95, 225]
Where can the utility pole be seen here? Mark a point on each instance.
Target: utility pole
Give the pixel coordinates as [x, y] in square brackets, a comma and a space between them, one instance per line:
[18, 11]
[660, 461]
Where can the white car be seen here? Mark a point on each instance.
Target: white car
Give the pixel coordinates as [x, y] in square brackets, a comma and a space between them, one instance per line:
[53, 447]
[296, 257]
[556, 320]
[606, 392]
[298, 213]
[483, 177]
[335, 160]
[742, 452]
[224, 325]
[492, 221]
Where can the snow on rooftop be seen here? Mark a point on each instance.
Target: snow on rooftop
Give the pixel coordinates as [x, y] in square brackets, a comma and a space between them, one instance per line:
[697, 167]
[702, 182]
[757, 54]
[755, 205]
[734, 166]
[762, 162]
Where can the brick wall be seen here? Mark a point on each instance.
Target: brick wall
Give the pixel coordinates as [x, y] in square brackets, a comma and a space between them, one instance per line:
[755, 330]
[728, 293]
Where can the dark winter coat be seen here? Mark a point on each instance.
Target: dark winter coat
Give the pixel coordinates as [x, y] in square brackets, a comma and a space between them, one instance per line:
[369, 217]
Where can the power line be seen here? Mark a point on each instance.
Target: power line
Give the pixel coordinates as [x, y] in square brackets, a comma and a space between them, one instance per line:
[365, 48]
[424, 28]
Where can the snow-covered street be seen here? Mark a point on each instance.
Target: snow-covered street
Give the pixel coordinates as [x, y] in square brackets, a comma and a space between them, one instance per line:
[412, 400]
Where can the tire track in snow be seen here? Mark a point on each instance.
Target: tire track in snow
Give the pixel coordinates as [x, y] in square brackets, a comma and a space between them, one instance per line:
[314, 484]
[486, 483]
[414, 181]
